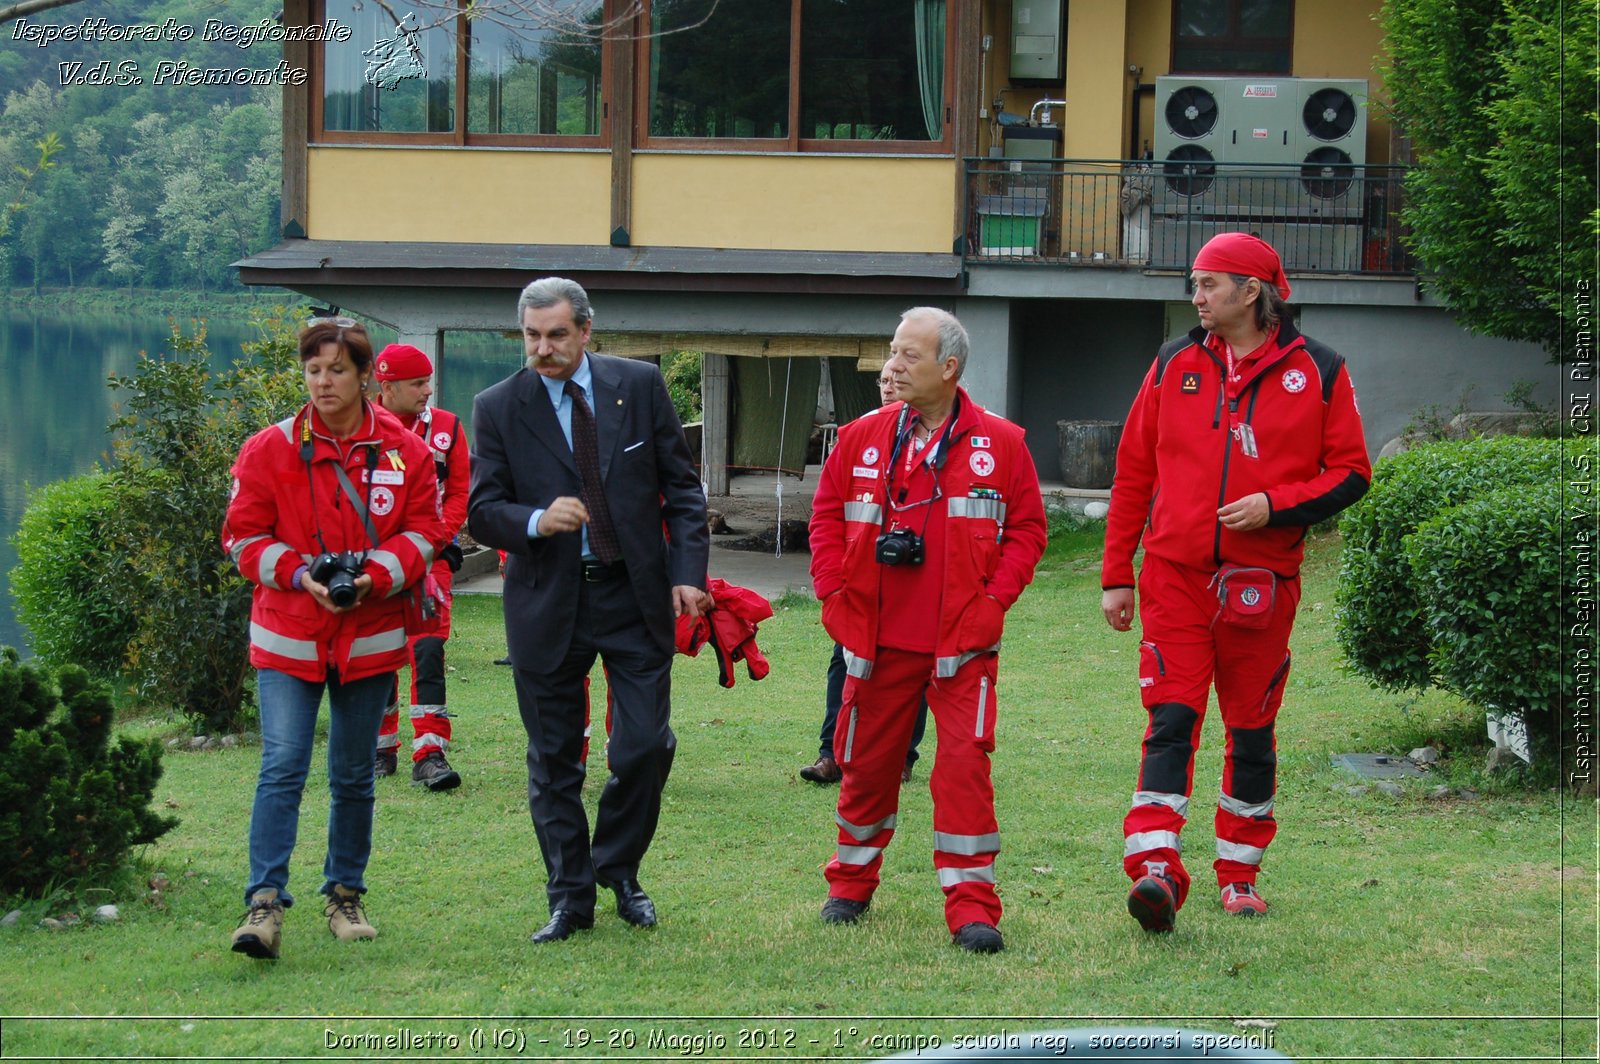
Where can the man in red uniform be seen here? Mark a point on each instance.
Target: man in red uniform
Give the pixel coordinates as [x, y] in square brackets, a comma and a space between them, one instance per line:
[926, 526]
[1243, 434]
[405, 376]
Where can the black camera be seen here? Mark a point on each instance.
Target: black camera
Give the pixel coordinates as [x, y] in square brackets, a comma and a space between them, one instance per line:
[899, 547]
[338, 572]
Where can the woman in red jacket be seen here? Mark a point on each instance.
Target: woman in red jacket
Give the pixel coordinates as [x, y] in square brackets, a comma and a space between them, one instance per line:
[333, 516]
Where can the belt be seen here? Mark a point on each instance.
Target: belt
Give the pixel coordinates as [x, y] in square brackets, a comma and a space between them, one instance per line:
[596, 572]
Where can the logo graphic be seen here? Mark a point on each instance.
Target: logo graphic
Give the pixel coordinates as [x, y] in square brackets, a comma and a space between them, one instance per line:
[982, 463]
[382, 501]
[1294, 381]
[397, 58]
[441, 441]
[1249, 596]
[869, 456]
[1191, 384]
[1266, 92]
[981, 441]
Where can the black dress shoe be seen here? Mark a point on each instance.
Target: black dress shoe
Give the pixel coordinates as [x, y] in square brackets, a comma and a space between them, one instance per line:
[633, 904]
[563, 923]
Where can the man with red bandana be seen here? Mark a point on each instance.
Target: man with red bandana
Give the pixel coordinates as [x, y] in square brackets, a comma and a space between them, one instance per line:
[405, 376]
[1243, 435]
[926, 527]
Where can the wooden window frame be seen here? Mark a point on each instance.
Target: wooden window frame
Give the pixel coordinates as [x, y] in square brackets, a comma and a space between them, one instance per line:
[1234, 43]
[459, 137]
[794, 143]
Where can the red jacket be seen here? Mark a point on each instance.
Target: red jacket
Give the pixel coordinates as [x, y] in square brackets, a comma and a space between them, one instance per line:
[1185, 453]
[271, 530]
[446, 438]
[995, 531]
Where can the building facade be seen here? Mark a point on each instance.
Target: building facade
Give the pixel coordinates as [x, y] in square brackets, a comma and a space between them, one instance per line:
[771, 182]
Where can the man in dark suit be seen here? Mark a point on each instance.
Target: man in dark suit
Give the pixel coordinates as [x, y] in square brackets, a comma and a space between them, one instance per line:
[578, 461]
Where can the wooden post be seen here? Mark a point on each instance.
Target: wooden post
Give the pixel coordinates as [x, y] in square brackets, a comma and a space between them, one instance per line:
[292, 210]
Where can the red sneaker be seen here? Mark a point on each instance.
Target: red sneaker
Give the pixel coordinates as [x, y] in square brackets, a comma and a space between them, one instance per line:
[1241, 899]
[1153, 902]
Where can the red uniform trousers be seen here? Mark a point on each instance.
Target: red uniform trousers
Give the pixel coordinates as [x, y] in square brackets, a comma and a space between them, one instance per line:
[870, 745]
[430, 717]
[1185, 649]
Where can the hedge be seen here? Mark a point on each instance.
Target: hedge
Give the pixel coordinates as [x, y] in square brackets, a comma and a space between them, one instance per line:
[1490, 577]
[1382, 619]
[66, 582]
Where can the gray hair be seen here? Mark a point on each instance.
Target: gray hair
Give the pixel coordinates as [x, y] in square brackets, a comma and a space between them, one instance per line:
[548, 291]
[1270, 307]
[953, 340]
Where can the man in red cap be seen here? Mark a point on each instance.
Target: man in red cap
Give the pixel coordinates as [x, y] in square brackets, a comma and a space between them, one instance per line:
[1243, 435]
[405, 377]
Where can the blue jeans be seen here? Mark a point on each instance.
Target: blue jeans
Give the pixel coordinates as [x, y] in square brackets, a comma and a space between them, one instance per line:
[289, 709]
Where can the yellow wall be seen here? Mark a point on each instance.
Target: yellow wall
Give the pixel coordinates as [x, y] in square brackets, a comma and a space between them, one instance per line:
[1098, 84]
[461, 195]
[794, 202]
[1342, 40]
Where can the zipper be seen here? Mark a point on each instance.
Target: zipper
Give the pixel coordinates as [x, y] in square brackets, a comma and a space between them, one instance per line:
[1277, 678]
[1254, 388]
[983, 701]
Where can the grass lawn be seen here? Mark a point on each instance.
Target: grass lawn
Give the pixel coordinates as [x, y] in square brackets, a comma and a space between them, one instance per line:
[1400, 927]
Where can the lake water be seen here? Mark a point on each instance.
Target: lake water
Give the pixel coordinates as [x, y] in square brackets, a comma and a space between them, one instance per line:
[56, 403]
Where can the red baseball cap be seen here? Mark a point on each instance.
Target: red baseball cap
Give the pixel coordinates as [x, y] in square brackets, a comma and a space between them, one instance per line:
[402, 362]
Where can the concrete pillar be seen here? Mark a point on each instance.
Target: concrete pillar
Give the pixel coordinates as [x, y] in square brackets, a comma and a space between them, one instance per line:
[993, 375]
[715, 411]
[430, 341]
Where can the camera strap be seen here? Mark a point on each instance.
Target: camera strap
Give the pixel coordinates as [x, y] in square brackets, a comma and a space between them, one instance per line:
[902, 433]
[362, 507]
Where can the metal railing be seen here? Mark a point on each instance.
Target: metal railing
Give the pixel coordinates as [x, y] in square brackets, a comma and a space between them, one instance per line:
[1336, 218]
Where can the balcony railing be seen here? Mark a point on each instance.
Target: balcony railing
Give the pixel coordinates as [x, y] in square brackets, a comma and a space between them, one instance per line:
[1327, 219]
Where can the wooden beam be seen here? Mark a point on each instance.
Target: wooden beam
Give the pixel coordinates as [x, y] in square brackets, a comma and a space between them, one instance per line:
[293, 213]
[620, 111]
[651, 345]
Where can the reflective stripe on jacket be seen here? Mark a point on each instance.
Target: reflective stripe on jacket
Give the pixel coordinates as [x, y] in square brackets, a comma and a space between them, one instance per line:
[995, 531]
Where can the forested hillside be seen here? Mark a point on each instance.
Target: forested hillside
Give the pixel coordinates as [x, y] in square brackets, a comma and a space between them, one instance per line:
[157, 183]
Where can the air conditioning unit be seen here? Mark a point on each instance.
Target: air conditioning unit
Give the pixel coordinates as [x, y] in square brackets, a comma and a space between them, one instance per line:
[1331, 142]
[1308, 135]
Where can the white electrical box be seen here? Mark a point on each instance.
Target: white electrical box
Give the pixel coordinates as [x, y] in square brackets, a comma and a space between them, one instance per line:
[1038, 41]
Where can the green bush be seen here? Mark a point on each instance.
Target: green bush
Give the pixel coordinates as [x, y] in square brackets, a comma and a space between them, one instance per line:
[180, 429]
[1489, 576]
[71, 804]
[64, 581]
[1381, 620]
[681, 370]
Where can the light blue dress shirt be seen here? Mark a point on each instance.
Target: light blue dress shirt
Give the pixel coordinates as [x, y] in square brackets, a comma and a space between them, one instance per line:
[584, 377]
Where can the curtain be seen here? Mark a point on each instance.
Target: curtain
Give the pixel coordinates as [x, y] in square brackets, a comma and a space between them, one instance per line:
[929, 18]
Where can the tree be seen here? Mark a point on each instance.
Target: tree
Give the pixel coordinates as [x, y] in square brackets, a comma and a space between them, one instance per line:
[1496, 96]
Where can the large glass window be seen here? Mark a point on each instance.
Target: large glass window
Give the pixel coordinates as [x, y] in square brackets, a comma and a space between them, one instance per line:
[862, 70]
[1232, 36]
[719, 69]
[396, 73]
[534, 82]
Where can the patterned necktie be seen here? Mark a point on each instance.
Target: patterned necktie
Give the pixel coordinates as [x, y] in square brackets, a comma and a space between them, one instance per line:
[586, 453]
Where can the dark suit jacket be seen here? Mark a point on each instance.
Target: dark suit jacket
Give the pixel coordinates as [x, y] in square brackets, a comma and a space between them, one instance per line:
[521, 463]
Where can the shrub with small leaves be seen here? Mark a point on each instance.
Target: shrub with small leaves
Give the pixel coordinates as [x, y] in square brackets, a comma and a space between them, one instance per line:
[65, 579]
[1381, 621]
[71, 803]
[1489, 575]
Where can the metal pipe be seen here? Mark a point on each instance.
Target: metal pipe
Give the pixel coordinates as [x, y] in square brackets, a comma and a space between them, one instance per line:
[1047, 103]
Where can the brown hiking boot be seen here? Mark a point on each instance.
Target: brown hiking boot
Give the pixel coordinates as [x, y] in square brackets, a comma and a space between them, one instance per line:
[346, 919]
[262, 931]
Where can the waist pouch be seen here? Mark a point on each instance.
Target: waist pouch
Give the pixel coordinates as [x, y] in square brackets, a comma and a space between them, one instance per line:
[1245, 595]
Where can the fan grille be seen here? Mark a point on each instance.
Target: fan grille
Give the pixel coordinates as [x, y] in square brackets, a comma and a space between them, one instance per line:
[1191, 112]
[1189, 170]
[1327, 173]
[1330, 114]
